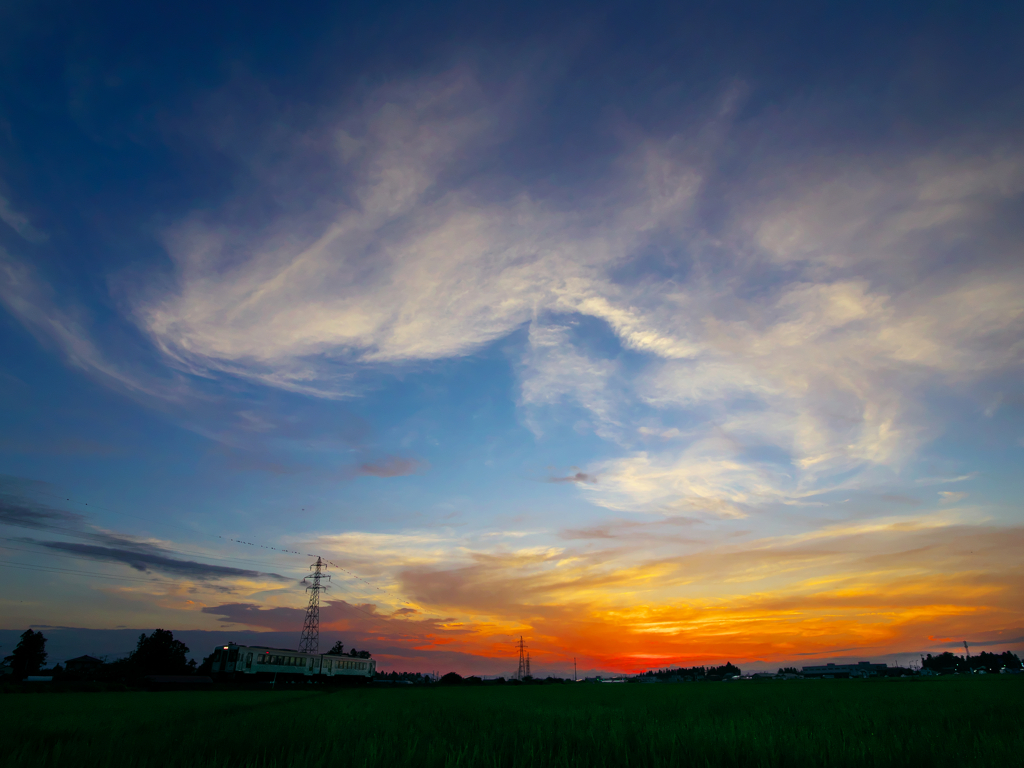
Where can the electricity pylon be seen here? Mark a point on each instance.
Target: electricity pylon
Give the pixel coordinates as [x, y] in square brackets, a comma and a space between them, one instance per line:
[310, 642]
[524, 663]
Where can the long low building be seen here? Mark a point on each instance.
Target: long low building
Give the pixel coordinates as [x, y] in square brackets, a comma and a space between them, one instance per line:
[860, 669]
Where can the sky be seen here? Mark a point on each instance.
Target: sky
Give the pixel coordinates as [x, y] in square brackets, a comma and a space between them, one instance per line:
[655, 334]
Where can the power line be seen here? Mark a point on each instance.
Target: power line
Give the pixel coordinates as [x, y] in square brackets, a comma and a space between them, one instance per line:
[119, 512]
[194, 532]
[87, 535]
[154, 568]
[391, 594]
[164, 522]
[33, 567]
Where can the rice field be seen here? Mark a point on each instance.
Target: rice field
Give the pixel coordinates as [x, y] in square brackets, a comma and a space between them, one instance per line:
[935, 722]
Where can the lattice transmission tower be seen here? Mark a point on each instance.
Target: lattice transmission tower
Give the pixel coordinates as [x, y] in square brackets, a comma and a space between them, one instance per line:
[524, 661]
[310, 642]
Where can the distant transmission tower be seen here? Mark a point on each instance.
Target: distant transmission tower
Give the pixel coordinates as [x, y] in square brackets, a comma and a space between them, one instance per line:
[528, 673]
[310, 642]
[524, 662]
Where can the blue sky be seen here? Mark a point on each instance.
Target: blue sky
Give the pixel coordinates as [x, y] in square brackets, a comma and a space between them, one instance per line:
[699, 324]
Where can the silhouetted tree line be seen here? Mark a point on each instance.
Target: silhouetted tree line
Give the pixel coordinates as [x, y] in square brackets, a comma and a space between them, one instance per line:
[409, 677]
[339, 650]
[947, 663]
[454, 678]
[155, 654]
[696, 673]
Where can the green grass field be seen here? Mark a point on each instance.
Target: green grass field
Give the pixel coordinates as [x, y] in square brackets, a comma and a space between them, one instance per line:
[941, 722]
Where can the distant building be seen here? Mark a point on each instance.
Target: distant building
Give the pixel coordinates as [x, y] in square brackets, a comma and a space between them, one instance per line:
[860, 669]
[82, 665]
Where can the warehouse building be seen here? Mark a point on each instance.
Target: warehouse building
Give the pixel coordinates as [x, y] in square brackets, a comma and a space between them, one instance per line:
[860, 669]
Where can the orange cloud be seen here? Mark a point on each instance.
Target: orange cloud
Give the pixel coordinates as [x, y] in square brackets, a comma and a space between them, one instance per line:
[877, 588]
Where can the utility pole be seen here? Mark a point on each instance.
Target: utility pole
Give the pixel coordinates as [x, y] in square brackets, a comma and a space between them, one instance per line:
[310, 641]
[967, 658]
[524, 664]
[574, 669]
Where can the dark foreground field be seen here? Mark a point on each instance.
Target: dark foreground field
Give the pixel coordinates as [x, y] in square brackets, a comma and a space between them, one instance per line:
[942, 722]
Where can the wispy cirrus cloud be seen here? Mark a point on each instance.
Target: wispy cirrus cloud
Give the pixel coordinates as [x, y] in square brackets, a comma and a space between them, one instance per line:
[807, 323]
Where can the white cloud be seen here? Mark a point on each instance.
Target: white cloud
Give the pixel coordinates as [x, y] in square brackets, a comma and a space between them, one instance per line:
[811, 326]
[824, 367]
[556, 372]
[943, 480]
[705, 478]
[34, 303]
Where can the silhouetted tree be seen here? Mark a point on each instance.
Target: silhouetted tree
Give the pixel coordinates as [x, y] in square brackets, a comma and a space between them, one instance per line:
[728, 670]
[1011, 660]
[789, 671]
[160, 654]
[29, 655]
[944, 662]
[993, 662]
[452, 678]
[337, 649]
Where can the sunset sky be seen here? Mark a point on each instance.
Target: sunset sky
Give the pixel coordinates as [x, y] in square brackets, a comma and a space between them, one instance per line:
[656, 334]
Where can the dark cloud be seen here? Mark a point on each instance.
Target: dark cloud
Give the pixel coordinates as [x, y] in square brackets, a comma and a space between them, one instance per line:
[833, 650]
[18, 510]
[283, 619]
[391, 466]
[147, 558]
[26, 513]
[579, 477]
[251, 615]
[986, 643]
